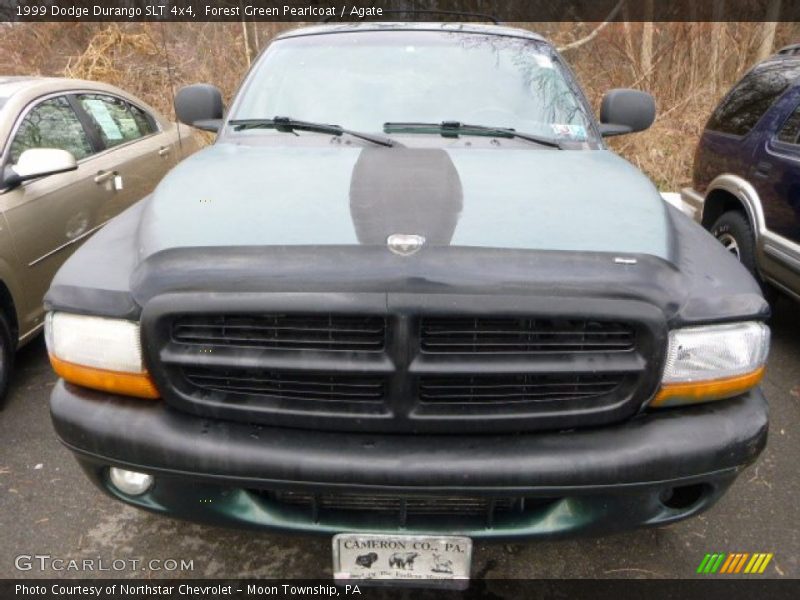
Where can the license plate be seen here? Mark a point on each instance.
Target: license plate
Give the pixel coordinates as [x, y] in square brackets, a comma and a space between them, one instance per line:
[411, 559]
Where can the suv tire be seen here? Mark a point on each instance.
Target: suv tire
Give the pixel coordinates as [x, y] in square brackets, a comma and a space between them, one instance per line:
[733, 230]
[7, 351]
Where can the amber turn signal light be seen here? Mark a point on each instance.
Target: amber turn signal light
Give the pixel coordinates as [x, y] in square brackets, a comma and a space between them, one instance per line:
[128, 384]
[677, 394]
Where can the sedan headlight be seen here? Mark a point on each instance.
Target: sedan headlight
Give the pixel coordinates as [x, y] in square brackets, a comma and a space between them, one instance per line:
[712, 363]
[99, 353]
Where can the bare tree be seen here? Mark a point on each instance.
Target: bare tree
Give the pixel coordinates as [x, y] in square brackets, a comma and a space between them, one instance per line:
[646, 60]
[768, 28]
[595, 31]
[245, 39]
[717, 41]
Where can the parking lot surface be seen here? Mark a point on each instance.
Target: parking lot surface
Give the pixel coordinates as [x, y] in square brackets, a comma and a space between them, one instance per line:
[47, 507]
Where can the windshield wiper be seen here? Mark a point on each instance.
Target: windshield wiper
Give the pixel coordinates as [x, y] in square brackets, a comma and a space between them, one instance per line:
[289, 125]
[455, 129]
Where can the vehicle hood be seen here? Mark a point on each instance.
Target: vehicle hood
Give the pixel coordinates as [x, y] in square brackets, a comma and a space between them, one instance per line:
[504, 197]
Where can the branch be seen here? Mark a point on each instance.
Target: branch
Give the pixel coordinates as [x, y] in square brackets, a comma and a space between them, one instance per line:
[595, 31]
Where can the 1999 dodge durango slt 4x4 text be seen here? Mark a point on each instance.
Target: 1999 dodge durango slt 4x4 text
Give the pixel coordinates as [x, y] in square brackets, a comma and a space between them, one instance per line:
[409, 291]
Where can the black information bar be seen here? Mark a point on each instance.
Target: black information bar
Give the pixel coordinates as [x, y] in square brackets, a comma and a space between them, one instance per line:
[713, 588]
[398, 10]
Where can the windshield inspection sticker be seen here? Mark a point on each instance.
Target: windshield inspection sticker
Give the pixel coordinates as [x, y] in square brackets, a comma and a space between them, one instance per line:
[543, 61]
[576, 132]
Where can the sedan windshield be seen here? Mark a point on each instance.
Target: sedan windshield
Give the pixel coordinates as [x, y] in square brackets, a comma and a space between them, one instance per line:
[363, 80]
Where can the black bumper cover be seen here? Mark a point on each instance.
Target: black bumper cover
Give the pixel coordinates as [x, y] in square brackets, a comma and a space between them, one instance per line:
[654, 447]
[663, 446]
[604, 479]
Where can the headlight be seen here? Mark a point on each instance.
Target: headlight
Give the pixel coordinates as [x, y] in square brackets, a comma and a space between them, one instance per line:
[99, 353]
[712, 363]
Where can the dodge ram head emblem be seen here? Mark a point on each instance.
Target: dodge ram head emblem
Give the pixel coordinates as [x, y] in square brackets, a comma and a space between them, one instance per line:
[404, 244]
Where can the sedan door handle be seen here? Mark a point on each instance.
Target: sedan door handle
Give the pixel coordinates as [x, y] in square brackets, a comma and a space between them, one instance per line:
[164, 150]
[103, 176]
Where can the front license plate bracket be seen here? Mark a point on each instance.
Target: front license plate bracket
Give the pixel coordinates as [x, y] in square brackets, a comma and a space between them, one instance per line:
[413, 560]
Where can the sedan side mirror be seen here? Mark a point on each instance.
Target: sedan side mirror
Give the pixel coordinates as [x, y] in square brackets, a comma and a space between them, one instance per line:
[626, 111]
[38, 162]
[200, 105]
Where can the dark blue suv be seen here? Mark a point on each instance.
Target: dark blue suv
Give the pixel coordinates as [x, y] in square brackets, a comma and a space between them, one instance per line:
[746, 181]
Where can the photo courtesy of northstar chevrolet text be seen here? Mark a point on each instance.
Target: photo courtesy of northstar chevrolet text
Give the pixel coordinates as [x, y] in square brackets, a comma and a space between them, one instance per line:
[423, 295]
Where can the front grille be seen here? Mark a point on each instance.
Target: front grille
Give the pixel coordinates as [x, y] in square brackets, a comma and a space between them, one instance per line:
[287, 385]
[405, 372]
[412, 505]
[389, 510]
[479, 335]
[283, 331]
[500, 389]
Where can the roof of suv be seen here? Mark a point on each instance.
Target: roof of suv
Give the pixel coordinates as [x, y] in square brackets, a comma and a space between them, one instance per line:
[778, 63]
[452, 27]
[790, 50]
[785, 56]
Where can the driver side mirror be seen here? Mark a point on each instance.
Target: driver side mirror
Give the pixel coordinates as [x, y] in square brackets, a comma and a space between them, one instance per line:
[38, 162]
[626, 111]
[200, 105]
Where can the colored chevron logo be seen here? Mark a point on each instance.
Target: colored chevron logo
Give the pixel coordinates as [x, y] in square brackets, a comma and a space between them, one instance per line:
[737, 562]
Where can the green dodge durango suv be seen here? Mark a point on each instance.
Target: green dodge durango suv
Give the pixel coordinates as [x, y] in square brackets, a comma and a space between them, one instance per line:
[409, 298]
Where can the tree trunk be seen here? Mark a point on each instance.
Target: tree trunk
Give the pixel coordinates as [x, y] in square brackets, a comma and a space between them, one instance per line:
[246, 41]
[693, 32]
[717, 50]
[629, 52]
[768, 28]
[245, 38]
[646, 60]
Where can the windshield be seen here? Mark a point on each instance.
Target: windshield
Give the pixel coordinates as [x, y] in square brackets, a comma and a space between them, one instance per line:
[362, 80]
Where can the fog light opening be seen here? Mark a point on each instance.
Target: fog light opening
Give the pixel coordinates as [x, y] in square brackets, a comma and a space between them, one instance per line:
[130, 483]
[684, 497]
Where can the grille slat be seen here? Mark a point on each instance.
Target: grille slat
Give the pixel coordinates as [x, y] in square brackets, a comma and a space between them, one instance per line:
[516, 332]
[479, 335]
[458, 346]
[299, 395]
[255, 327]
[497, 399]
[283, 380]
[491, 386]
[232, 340]
[281, 331]
[415, 505]
[285, 385]
[516, 388]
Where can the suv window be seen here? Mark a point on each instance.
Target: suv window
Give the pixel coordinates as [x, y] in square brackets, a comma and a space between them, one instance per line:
[51, 124]
[115, 121]
[790, 131]
[749, 99]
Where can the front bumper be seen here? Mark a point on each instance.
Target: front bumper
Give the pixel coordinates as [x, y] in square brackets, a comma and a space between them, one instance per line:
[585, 481]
